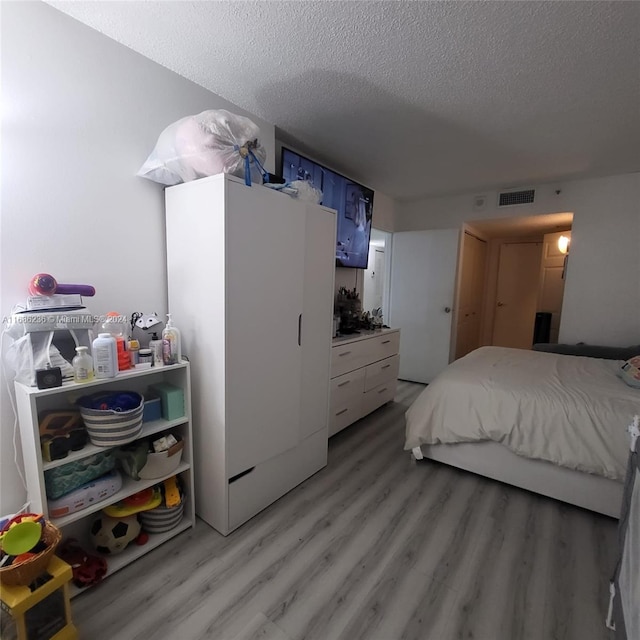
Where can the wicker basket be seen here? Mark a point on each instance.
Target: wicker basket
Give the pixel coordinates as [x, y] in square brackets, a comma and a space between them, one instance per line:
[26, 572]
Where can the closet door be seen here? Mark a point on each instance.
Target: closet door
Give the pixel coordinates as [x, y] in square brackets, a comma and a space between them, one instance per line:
[317, 318]
[264, 249]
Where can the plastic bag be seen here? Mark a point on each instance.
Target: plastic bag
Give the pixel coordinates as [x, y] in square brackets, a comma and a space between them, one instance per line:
[299, 189]
[203, 145]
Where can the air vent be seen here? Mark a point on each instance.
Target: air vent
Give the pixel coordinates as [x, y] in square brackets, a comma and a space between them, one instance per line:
[512, 198]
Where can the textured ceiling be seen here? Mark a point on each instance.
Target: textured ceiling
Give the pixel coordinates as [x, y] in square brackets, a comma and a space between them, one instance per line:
[413, 98]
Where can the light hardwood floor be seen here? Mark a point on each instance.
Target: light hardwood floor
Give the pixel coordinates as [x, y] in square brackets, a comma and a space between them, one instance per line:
[376, 547]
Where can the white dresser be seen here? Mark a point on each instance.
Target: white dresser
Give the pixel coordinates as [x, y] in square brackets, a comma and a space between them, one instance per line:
[364, 372]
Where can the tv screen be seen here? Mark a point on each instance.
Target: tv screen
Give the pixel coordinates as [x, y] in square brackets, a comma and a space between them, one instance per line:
[352, 201]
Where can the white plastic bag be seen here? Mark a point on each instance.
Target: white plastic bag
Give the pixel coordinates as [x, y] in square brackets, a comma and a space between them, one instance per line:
[203, 145]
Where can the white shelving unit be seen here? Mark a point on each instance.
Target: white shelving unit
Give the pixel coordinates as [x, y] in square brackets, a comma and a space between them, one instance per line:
[31, 402]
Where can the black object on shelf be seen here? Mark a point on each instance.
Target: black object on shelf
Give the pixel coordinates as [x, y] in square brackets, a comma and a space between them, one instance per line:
[542, 327]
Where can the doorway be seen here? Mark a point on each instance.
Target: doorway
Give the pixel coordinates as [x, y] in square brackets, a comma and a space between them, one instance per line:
[506, 319]
[377, 275]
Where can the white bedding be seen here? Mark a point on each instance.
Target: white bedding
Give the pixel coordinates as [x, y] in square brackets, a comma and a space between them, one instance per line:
[569, 410]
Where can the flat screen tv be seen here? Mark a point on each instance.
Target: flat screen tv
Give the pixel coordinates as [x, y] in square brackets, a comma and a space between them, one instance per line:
[352, 201]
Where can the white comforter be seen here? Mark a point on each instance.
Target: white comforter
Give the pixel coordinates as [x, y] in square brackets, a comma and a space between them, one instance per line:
[569, 410]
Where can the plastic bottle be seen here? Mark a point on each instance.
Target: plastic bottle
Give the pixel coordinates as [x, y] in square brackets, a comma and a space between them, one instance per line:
[105, 357]
[155, 344]
[172, 346]
[82, 365]
[134, 352]
[115, 324]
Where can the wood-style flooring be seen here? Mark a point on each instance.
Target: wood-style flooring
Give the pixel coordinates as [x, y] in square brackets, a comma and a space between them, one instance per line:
[373, 547]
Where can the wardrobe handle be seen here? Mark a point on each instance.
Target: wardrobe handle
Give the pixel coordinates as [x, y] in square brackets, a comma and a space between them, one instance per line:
[341, 412]
[386, 366]
[343, 383]
[386, 341]
[300, 330]
[344, 353]
[382, 390]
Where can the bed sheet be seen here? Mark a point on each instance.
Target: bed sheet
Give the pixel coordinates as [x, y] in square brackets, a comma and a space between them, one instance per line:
[569, 410]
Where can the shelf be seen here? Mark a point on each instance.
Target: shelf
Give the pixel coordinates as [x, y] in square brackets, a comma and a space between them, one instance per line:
[148, 429]
[97, 382]
[129, 487]
[133, 551]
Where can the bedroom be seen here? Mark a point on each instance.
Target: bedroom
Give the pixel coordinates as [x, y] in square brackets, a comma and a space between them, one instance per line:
[76, 125]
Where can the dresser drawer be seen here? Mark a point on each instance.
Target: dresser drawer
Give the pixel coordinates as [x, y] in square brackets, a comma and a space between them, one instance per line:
[342, 415]
[378, 396]
[347, 386]
[384, 346]
[347, 357]
[381, 371]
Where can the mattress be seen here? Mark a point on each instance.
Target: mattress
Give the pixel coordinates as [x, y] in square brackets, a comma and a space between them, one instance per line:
[569, 410]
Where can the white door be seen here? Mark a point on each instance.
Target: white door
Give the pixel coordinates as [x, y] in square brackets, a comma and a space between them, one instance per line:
[517, 294]
[423, 271]
[265, 242]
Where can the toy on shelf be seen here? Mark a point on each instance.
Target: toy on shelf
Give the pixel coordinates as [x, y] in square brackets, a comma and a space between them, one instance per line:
[112, 535]
[44, 284]
[87, 569]
[144, 325]
[141, 501]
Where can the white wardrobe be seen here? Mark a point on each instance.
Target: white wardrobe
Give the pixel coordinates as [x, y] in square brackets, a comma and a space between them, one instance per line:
[250, 280]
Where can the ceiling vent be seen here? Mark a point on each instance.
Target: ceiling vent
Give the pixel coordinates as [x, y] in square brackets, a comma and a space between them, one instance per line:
[512, 198]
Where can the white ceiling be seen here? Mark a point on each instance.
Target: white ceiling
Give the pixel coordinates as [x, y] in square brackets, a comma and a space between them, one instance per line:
[413, 98]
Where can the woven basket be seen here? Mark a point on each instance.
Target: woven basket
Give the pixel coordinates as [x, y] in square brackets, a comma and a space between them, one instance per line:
[26, 572]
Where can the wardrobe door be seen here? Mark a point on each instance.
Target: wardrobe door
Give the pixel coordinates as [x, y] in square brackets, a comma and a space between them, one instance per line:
[264, 248]
[317, 318]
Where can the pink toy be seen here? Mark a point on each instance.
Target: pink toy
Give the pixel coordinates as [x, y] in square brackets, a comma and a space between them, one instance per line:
[44, 284]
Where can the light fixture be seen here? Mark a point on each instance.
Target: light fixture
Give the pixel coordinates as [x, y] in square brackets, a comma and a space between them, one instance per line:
[563, 244]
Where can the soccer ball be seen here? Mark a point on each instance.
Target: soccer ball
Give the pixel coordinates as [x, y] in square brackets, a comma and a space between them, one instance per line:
[112, 535]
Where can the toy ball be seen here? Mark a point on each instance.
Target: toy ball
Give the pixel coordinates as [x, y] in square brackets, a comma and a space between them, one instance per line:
[112, 535]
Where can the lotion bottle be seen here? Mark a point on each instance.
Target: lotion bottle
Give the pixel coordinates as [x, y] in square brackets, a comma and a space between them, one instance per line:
[173, 348]
[105, 356]
[82, 365]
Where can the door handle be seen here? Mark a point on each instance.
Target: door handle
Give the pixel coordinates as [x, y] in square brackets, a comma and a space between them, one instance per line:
[501, 304]
[300, 330]
[447, 309]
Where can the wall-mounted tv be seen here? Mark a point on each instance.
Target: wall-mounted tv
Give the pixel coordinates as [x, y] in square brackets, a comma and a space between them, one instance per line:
[352, 201]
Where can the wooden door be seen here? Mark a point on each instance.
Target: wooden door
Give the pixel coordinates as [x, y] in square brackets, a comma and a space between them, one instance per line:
[551, 287]
[423, 270]
[517, 293]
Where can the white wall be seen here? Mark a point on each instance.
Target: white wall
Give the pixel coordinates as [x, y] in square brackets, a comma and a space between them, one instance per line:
[602, 290]
[80, 115]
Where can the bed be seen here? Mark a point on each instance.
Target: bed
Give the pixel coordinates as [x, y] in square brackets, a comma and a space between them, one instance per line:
[551, 423]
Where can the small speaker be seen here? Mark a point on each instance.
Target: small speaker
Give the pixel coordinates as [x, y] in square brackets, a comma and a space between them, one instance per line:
[48, 378]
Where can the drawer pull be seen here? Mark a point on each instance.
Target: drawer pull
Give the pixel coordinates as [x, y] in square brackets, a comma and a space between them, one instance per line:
[343, 383]
[345, 353]
[240, 475]
[386, 366]
[382, 390]
[343, 411]
[386, 341]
